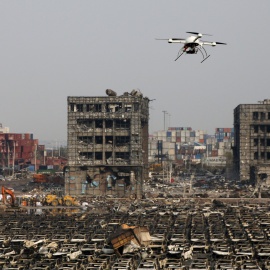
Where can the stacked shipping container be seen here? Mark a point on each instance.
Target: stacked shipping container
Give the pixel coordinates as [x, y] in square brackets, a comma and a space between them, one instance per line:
[19, 149]
[182, 143]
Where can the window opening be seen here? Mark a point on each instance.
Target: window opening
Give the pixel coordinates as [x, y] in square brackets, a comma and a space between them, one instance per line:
[99, 123]
[109, 139]
[136, 107]
[125, 123]
[86, 122]
[98, 156]
[108, 123]
[113, 107]
[79, 107]
[86, 155]
[90, 107]
[85, 139]
[128, 107]
[99, 140]
[122, 155]
[122, 140]
[255, 116]
[72, 107]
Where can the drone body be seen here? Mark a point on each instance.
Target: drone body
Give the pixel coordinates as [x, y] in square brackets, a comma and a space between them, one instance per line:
[193, 44]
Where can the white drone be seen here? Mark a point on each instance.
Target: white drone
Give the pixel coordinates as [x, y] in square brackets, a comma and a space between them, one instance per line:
[193, 44]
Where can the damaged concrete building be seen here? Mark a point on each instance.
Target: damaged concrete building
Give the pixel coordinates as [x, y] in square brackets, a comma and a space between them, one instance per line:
[107, 144]
[252, 141]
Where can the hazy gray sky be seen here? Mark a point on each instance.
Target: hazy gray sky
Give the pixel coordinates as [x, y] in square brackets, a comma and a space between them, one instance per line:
[54, 49]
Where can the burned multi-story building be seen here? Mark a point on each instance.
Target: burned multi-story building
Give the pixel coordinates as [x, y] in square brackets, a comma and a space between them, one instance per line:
[107, 144]
[252, 141]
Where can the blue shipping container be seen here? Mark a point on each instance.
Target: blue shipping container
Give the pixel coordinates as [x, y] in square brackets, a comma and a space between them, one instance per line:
[169, 133]
[31, 168]
[192, 133]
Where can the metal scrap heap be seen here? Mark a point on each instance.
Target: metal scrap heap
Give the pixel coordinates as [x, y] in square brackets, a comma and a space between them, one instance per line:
[149, 234]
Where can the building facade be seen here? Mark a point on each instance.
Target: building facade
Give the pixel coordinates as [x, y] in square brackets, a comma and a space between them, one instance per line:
[107, 145]
[252, 141]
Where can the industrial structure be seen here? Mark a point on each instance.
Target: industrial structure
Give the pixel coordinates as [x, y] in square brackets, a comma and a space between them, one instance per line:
[107, 144]
[180, 145]
[20, 151]
[252, 141]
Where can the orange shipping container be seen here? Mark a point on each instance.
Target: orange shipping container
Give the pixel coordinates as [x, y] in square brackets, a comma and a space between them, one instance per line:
[27, 136]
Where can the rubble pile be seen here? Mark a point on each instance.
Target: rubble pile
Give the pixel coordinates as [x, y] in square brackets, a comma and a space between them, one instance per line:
[148, 234]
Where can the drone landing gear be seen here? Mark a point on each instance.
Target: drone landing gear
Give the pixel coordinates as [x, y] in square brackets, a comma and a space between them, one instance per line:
[205, 56]
[178, 55]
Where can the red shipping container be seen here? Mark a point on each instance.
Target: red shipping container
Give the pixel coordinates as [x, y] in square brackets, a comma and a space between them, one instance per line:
[57, 162]
[18, 149]
[26, 142]
[201, 141]
[37, 161]
[18, 136]
[2, 136]
[214, 153]
[178, 139]
[27, 155]
[35, 142]
[27, 149]
[27, 136]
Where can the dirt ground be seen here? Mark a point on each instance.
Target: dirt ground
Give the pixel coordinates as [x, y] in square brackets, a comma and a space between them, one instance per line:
[17, 185]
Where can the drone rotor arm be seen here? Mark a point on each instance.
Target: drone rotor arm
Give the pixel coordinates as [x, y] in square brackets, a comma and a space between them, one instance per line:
[176, 40]
[173, 40]
[212, 43]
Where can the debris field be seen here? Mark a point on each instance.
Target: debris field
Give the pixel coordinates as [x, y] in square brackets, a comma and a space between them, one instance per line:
[184, 234]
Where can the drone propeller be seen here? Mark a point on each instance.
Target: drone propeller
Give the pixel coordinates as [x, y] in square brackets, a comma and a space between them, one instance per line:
[196, 33]
[221, 43]
[170, 38]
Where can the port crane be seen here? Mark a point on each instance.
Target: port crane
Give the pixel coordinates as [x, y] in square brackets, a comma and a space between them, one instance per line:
[193, 44]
